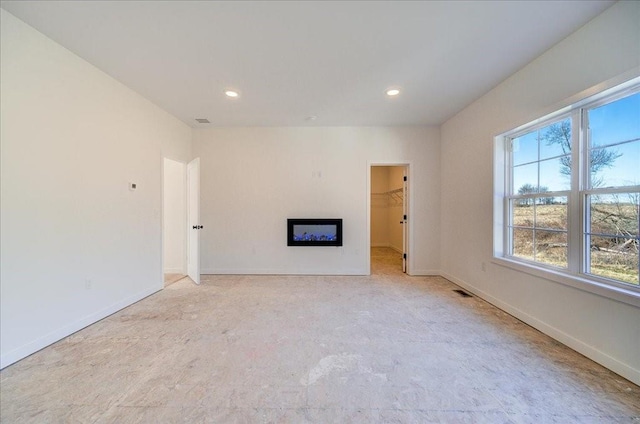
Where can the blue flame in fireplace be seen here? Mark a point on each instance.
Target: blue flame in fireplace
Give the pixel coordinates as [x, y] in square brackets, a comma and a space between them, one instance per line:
[317, 232]
[314, 237]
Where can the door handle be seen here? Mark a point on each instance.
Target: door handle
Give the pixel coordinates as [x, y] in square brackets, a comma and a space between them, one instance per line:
[197, 227]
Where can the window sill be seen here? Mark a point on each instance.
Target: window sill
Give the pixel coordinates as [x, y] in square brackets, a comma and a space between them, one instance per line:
[620, 294]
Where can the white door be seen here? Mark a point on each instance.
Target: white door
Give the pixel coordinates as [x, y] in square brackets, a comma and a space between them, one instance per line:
[405, 225]
[193, 220]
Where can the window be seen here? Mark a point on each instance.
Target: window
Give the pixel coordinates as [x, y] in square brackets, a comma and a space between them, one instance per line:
[612, 197]
[538, 199]
[569, 191]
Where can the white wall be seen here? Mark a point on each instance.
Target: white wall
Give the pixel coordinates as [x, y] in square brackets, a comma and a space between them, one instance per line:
[602, 329]
[76, 244]
[253, 179]
[174, 216]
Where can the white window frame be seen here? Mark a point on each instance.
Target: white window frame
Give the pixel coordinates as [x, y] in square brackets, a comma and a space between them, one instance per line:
[510, 189]
[575, 274]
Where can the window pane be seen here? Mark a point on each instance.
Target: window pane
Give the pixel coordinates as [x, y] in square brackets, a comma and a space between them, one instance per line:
[611, 258]
[525, 179]
[525, 148]
[555, 174]
[551, 248]
[616, 166]
[540, 168]
[555, 140]
[522, 211]
[615, 122]
[551, 212]
[614, 214]
[523, 243]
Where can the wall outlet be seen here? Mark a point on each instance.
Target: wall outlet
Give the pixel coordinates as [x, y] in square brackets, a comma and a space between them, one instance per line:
[87, 284]
[484, 266]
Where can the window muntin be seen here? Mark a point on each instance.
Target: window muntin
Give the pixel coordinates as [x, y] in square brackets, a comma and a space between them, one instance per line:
[621, 115]
[612, 203]
[537, 194]
[612, 236]
[542, 158]
[542, 198]
[539, 230]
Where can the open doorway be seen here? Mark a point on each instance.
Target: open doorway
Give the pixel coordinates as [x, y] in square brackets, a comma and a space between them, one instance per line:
[389, 223]
[174, 217]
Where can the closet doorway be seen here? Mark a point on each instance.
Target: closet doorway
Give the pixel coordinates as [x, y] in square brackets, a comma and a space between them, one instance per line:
[389, 221]
[174, 214]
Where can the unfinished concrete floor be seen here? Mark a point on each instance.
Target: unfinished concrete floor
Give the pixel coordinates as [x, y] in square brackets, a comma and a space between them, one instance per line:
[172, 278]
[289, 349]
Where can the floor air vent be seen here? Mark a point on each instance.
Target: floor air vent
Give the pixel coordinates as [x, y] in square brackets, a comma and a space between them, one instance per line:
[462, 293]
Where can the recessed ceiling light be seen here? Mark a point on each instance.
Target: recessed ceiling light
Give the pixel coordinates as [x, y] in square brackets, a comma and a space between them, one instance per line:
[311, 118]
[203, 121]
[231, 93]
[393, 92]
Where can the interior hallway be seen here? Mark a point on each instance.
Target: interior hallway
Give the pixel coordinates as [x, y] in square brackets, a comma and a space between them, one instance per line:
[319, 349]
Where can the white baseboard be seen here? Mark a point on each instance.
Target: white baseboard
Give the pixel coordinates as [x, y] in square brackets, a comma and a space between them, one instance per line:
[174, 271]
[390, 246]
[23, 351]
[215, 271]
[424, 272]
[587, 350]
[397, 249]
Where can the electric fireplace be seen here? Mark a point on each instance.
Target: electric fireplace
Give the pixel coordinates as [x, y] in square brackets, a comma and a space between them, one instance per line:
[314, 232]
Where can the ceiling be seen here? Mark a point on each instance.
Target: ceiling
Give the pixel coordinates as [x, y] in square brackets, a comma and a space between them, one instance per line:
[294, 60]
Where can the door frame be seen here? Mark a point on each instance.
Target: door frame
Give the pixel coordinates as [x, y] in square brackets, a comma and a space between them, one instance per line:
[164, 212]
[193, 220]
[408, 231]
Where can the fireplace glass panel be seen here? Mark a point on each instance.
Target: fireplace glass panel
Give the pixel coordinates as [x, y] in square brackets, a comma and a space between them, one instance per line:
[314, 232]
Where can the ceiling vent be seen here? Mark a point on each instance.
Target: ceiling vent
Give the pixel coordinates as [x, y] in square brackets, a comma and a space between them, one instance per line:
[202, 121]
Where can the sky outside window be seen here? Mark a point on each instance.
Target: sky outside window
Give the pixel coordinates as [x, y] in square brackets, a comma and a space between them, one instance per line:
[617, 125]
[538, 162]
[614, 129]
